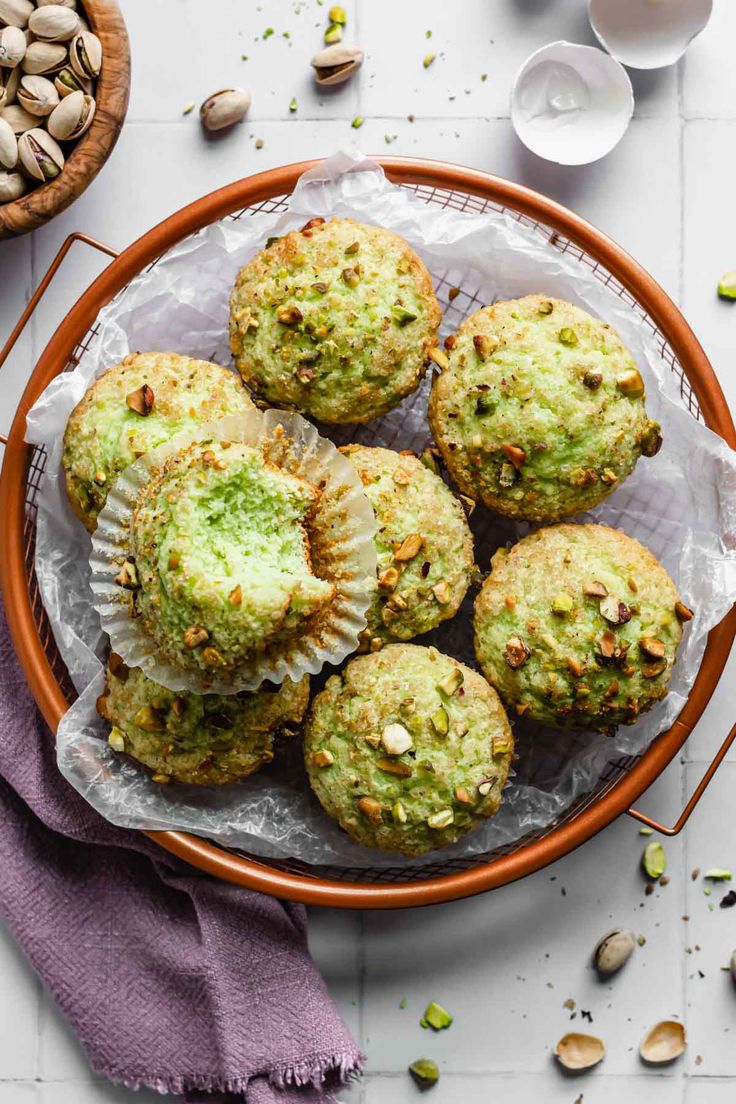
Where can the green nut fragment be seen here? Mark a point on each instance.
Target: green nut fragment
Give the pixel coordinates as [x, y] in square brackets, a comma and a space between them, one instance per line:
[398, 812]
[337, 15]
[727, 285]
[562, 603]
[292, 104]
[425, 1072]
[357, 122]
[401, 314]
[443, 819]
[653, 860]
[440, 721]
[427, 61]
[646, 831]
[451, 682]
[333, 34]
[436, 1016]
[116, 739]
[567, 336]
[718, 874]
[189, 108]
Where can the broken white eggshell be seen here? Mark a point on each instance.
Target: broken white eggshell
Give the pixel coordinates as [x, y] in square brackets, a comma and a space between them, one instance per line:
[648, 34]
[576, 1051]
[665, 1042]
[571, 104]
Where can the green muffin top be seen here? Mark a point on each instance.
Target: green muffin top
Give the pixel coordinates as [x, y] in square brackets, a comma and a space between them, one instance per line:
[221, 550]
[577, 626]
[540, 413]
[423, 542]
[202, 739]
[408, 749]
[335, 320]
[136, 405]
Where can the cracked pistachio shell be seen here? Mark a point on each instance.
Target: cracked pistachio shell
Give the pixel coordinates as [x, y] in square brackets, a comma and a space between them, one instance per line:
[72, 117]
[85, 55]
[224, 108]
[12, 47]
[336, 64]
[613, 950]
[40, 155]
[44, 57]
[15, 13]
[12, 186]
[54, 23]
[576, 1051]
[665, 1042]
[19, 119]
[37, 95]
[8, 146]
[66, 81]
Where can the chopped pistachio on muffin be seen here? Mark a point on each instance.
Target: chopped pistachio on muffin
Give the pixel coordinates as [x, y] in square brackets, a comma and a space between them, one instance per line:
[196, 738]
[221, 556]
[408, 749]
[577, 626]
[335, 320]
[134, 406]
[424, 544]
[540, 411]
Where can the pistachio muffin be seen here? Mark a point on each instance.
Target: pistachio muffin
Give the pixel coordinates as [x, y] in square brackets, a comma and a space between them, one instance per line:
[408, 749]
[424, 544]
[202, 739]
[221, 564]
[540, 411]
[335, 320]
[577, 626]
[136, 405]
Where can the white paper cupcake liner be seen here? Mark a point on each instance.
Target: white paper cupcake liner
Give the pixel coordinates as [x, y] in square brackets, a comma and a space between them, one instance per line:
[346, 556]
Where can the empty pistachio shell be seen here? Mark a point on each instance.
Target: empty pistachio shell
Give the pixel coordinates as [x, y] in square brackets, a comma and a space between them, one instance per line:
[336, 64]
[54, 23]
[85, 54]
[12, 186]
[12, 47]
[665, 1042]
[224, 108]
[66, 81]
[19, 119]
[8, 146]
[39, 155]
[44, 57]
[579, 1052]
[15, 13]
[72, 117]
[37, 95]
[613, 950]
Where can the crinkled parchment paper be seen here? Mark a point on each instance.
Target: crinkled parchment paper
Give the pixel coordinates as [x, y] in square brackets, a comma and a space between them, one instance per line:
[682, 505]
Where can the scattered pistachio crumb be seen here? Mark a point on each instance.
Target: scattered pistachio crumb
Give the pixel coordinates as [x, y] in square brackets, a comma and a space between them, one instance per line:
[646, 831]
[427, 61]
[268, 32]
[189, 108]
[402, 1003]
[259, 143]
[727, 286]
[243, 57]
[707, 891]
[357, 122]
[425, 1072]
[427, 34]
[484, 76]
[641, 940]
[436, 1016]
[389, 138]
[292, 104]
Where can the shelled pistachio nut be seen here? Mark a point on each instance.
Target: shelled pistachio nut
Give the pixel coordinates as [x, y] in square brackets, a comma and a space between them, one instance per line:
[44, 57]
[53, 23]
[224, 108]
[85, 55]
[8, 146]
[12, 186]
[72, 117]
[19, 119]
[15, 13]
[12, 47]
[37, 95]
[66, 81]
[336, 64]
[40, 155]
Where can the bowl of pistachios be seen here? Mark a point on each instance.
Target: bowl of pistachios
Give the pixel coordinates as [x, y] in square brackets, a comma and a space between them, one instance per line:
[64, 86]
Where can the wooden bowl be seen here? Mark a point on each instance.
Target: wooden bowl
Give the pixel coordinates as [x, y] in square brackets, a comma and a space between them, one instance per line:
[93, 148]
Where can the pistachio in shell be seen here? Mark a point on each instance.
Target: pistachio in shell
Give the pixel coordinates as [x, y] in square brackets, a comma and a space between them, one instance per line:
[72, 117]
[613, 951]
[66, 81]
[37, 95]
[54, 23]
[12, 47]
[15, 13]
[12, 186]
[664, 1043]
[576, 1051]
[224, 108]
[39, 155]
[20, 119]
[85, 55]
[8, 146]
[44, 57]
[336, 64]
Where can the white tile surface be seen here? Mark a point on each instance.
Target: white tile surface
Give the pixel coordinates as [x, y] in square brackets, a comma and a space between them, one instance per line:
[504, 963]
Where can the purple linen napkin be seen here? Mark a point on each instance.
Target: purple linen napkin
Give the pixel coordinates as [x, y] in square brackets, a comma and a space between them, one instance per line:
[171, 979]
